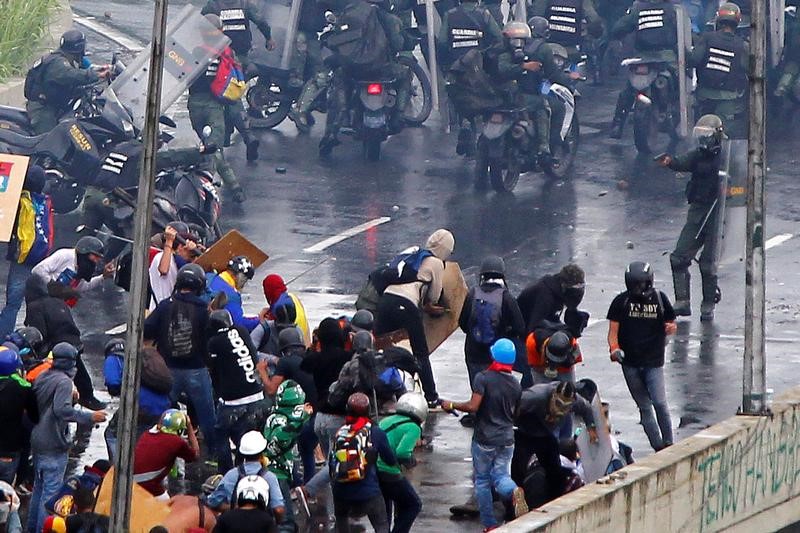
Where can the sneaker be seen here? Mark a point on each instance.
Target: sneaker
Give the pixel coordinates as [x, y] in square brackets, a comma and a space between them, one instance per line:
[252, 150]
[519, 503]
[92, 403]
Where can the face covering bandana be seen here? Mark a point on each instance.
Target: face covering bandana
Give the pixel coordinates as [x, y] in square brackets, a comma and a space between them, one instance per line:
[85, 267]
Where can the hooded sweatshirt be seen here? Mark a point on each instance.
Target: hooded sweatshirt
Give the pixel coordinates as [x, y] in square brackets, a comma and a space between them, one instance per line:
[53, 391]
[51, 316]
[428, 287]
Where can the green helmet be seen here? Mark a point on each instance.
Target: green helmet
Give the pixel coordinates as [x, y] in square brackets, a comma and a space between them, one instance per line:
[290, 394]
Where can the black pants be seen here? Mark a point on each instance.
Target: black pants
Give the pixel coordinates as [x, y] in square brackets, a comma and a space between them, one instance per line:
[394, 313]
[546, 450]
[374, 508]
[401, 498]
[83, 381]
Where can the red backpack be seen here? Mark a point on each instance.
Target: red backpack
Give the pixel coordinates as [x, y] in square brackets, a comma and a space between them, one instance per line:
[229, 84]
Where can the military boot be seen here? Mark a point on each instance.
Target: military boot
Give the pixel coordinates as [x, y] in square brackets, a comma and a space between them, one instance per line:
[711, 297]
[681, 279]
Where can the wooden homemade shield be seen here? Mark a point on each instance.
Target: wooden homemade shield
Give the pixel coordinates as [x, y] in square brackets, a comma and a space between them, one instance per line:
[146, 511]
[437, 329]
[230, 245]
[12, 176]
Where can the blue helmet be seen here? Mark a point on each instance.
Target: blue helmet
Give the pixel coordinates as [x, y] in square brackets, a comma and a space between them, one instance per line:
[10, 361]
[504, 351]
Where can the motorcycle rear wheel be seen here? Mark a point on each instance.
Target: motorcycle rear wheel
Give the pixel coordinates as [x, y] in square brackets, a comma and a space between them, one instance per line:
[420, 101]
[372, 149]
[565, 152]
[504, 174]
[646, 134]
[266, 105]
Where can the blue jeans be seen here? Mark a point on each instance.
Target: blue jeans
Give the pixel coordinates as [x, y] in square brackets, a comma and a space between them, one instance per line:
[325, 427]
[235, 421]
[647, 389]
[306, 443]
[15, 294]
[492, 469]
[8, 466]
[195, 383]
[48, 476]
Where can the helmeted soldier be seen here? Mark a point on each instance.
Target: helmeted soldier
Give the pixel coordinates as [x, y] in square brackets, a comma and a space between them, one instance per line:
[569, 21]
[721, 61]
[56, 79]
[699, 231]
[655, 23]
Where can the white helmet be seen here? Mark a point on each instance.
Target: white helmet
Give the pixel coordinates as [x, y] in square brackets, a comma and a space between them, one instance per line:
[413, 404]
[252, 443]
[252, 489]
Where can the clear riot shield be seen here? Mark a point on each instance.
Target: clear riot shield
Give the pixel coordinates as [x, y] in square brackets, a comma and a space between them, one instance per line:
[684, 80]
[732, 224]
[191, 43]
[282, 16]
[776, 27]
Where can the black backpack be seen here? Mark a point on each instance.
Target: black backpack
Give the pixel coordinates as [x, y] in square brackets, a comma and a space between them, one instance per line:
[364, 43]
[34, 88]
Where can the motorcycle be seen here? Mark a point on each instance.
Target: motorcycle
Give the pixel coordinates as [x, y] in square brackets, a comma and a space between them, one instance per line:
[655, 110]
[371, 104]
[507, 144]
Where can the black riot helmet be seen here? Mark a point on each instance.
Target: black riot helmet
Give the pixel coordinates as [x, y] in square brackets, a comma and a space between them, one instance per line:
[73, 42]
[708, 132]
[291, 337]
[219, 319]
[191, 277]
[492, 267]
[639, 278]
[90, 245]
[558, 348]
[114, 346]
[362, 320]
[540, 27]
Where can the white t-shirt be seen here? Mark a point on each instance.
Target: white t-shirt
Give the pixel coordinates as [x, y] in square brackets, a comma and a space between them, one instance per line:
[62, 266]
[162, 285]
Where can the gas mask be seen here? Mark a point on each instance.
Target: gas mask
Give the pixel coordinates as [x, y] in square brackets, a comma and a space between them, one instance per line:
[707, 139]
[241, 280]
[558, 408]
[518, 46]
[86, 267]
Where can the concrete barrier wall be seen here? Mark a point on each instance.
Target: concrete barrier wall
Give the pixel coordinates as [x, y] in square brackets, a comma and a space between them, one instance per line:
[11, 92]
[739, 475]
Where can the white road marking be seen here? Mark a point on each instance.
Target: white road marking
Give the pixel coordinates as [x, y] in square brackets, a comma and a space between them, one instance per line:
[339, 237]
[125, 41]
[589, 130]
[777, 240]
[118, 330]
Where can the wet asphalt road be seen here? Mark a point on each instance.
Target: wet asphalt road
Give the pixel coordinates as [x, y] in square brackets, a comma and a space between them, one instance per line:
[587, 218]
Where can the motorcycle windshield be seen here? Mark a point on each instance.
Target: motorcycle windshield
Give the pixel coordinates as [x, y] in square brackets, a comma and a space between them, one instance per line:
[282, 16]
[191, 43]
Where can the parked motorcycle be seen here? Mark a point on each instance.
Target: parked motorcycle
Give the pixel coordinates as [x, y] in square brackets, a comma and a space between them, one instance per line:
[507, 144]
[655, 110]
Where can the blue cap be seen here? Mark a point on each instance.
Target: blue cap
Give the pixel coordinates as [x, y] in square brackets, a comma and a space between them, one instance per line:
[504, 351]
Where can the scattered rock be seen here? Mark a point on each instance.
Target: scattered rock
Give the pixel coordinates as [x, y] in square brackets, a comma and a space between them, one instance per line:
[280, 170]
[629, 245]
[602, 193]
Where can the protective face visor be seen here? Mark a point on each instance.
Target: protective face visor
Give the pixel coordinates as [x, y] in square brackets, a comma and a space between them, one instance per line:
[706, 138]
[573, 294]
[516, 43]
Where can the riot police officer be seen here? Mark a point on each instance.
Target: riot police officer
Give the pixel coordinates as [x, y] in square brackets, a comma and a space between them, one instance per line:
[656, 25]
[721, 61]
[466, 27]
[56, 79]
[307, 64]
[569, 20]
[236, 16]
[207, 110]
[699, 231]
[529, 61]
[790, 67]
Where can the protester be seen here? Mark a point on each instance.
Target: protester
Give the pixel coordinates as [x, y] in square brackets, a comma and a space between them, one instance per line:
[232, 281]
[66, 501]
[9, 509]
[156, 451]
[51, 438]
[353, 471]
[495, 396]
[250, 514]
[180, 247]
[18, 407]
[403, 430]
[277, 295]
[31, 241]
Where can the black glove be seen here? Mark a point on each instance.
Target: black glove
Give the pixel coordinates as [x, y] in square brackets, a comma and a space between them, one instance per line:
[576, 321]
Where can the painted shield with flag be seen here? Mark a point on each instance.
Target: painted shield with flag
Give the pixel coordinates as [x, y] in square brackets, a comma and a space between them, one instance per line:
[12, 177]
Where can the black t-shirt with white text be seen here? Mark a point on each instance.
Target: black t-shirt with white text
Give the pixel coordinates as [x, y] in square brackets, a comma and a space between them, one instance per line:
[641, 327]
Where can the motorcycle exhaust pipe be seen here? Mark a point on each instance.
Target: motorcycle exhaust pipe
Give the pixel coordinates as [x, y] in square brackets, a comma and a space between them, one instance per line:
[644, 99]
